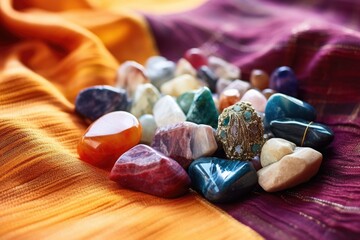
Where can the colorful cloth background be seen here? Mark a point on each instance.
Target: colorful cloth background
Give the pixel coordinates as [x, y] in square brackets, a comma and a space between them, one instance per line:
[50, 50]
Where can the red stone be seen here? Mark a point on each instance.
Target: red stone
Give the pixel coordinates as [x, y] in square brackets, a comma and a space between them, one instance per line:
[196, 58]
[147, 170]
[109, 137]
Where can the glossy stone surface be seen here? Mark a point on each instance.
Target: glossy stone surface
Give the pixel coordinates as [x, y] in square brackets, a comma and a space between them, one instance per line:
[203, 109]
[268, 92]
[240, 131]
[275, 149]
[291, 170]
[185, 142]
[184, 67]
[228, 97]
[208, 76]
[223, 69]
[281, 106]
[109, 137]
[166, 111]
[259, 79]
[93, 102]
[222, 180]
[148, 127]
[185, 100]
[129, 75]
[196, 57]
[159, 70]
[317, 135]
[146, 170]
[240, 85]
[146, 95]
[256, 98]
[283, 80]
[179, 85]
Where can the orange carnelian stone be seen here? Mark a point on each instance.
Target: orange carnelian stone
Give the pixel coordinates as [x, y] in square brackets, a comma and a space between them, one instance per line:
[108, 138]
[228, 97]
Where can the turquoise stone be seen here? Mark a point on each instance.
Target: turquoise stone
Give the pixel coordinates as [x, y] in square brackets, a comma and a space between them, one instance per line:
[281, 106]
[203, 109]
[222, 180]
[283, 80]
[185, 100]
[317, 135]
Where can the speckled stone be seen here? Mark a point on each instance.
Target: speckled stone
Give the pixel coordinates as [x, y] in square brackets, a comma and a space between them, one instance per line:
[283, 80]
[240, 131]
[221, 180]
[224, 69]
[94, 102]
[146, 95]
[185, 142]
[129, 75]
[166, 111]
[148, 129]
[302, 133]
[203, 109]
[146, 170]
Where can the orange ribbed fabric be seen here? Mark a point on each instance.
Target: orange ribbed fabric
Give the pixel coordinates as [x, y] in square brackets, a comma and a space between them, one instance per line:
[48, 53]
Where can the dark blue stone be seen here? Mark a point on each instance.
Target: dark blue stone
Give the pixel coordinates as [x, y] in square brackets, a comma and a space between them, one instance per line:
[283, 80]
[94, 102]
[317, 135]
[208, 76]
[222, 180]
[282, 106]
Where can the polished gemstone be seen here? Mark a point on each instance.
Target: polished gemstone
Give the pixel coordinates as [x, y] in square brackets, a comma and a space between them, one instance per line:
[240, 85]
[146, 170]
[259, 79]
[283, 80]
[148, 127]
[129, 75]
[203, 109]
[256, 98]
[274, 149]
[302, 133]
[240, 131]
[196, 57]
[208, 76]
[179, 85]
[146, 95]
[224, 69]
[280, 106]
[159, 70]
[93, 102]
[291, 170]
[184, 67]
[221, 84]
[185, 100]
[166, 111]
[109, 137]
[228, 97]
[185, 142]
[222, 180]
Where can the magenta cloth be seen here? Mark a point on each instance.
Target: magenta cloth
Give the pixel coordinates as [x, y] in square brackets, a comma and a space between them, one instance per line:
[320, 40]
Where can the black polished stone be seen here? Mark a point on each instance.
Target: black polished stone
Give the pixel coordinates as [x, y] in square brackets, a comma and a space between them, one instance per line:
[317, 135]
[208, 76]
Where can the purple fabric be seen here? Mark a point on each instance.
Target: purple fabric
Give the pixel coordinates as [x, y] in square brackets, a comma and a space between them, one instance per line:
[320, 40]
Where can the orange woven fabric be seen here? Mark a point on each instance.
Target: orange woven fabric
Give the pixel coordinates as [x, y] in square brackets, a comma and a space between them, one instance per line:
[49, 51]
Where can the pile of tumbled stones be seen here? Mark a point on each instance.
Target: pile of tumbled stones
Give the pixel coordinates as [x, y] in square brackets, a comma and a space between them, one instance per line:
[167, 127]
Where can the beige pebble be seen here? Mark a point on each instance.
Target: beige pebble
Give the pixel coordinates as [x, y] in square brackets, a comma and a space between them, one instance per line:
[184, 67]
[179, 85]
[274, 149]
[293, 169]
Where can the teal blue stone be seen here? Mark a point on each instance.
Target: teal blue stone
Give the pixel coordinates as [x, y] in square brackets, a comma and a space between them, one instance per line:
[282, 106]
[247, 115]
[223, 134]
[255, 148]
[203, 109]
[185, 100]
[226, 121]
[317, 135]
[222, 180]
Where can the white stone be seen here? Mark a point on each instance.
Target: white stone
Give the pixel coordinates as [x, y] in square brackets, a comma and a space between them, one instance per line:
[274, 149]
[184, 67]
[148, 128]
[145, 97]
[224, 69]
[166, 111]
[204, 143]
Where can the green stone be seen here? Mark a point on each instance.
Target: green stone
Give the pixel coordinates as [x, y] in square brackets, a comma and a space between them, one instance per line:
[185, 100]
[226, 121]
[247, 115]
[203, 109]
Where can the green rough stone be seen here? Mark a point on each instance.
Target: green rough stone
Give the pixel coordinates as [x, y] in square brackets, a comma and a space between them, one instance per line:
[185, 100]
[203, 109]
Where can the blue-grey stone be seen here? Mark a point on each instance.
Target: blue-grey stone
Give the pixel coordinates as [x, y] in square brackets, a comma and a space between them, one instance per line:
[94, 102]
[317, 135]
[222, 180]
[282, 106]
[208, 76]
[283, 80]
[160, 70]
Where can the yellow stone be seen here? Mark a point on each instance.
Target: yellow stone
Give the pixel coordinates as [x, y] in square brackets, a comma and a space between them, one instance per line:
[180, 85]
